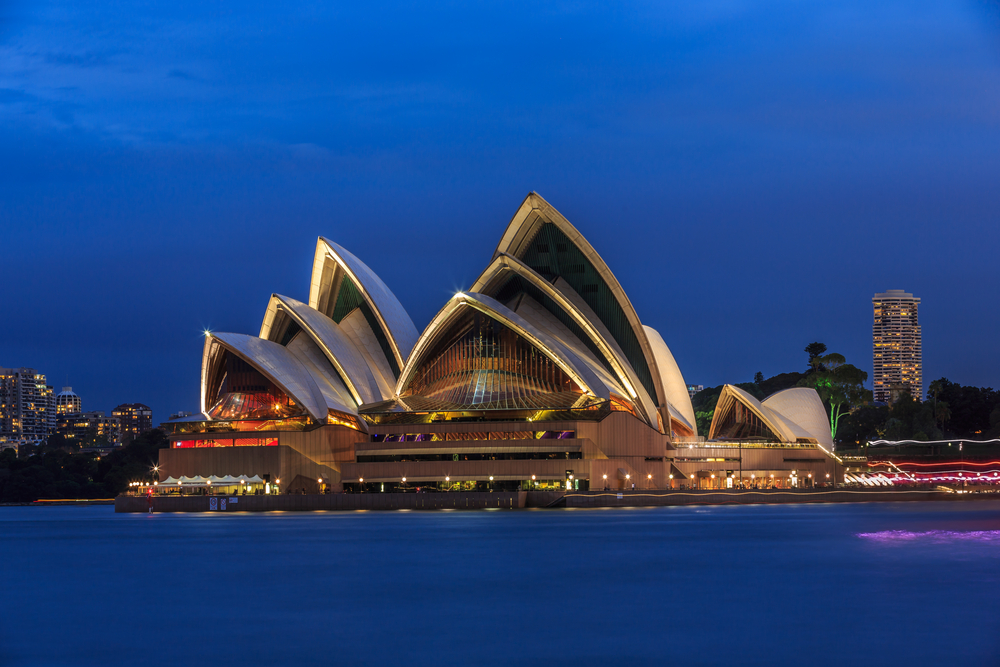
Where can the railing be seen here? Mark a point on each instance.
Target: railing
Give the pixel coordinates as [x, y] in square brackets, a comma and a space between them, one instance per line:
[744, 445]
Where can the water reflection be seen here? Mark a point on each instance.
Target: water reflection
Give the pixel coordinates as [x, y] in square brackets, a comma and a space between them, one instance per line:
[933, 536]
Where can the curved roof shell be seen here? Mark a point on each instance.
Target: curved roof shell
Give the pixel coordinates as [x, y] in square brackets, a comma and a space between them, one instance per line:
[535, 236]
[780, 416]
[730, 395]
[804, 407]
[570, 363]
[334, 392]
[387, 317]
[674, 387]
[577, 324]
[273, 361]
[357, 376]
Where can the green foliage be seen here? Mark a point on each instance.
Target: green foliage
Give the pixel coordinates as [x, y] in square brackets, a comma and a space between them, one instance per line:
[839, 384]
[815, 351]
[51, 472]
[864, 423]
[952, 411]
[704, 420]
[779, 382]
[969, 409]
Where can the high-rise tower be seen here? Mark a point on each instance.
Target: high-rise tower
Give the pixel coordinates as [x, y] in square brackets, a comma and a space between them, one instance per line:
[896, 346]
[27, 407]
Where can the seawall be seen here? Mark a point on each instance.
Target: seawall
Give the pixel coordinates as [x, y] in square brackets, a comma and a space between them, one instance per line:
[525, 499]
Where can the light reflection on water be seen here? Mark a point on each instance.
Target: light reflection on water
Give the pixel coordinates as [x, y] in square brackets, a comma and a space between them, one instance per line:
[934, 536]
[752, 585]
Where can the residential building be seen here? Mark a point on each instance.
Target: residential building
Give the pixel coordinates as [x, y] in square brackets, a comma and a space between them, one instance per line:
[135, 418]
[67, 402]
[694, 389]
[896, 346]
[27, 407]
[89, 428]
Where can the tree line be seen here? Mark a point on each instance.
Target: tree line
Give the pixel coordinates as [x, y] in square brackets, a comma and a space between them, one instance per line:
[55, 471]
[950, 411]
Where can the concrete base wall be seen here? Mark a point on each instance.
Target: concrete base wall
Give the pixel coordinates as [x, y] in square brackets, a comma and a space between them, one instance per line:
[523, 499]
[332, 501]
[763, 497]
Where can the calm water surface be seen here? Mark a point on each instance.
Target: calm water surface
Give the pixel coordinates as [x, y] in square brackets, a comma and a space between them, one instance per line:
[861, 584]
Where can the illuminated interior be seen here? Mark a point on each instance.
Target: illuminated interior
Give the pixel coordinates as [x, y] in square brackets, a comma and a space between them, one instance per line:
[481, 362]
[244, 393]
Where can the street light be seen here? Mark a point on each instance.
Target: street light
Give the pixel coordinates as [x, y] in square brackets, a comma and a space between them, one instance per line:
[605, 482]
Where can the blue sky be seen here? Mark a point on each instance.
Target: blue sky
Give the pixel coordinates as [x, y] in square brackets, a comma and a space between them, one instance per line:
[752, 172]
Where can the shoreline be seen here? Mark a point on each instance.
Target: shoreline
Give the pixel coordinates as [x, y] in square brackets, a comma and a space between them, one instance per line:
[529, 500]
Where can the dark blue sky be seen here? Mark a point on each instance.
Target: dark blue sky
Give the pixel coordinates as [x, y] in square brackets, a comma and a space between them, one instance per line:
[751, 171]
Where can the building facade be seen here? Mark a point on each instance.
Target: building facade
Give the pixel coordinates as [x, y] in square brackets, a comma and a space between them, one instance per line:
[540, 376]
[90, 428]
[897, 356]
[27, 407]
[67, 402]
[134, 418]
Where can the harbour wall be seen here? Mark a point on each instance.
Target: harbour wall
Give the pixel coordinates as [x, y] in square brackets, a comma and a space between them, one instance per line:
[526, 499]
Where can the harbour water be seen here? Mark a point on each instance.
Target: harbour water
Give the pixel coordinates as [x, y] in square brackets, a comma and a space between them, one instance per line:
[848, 584]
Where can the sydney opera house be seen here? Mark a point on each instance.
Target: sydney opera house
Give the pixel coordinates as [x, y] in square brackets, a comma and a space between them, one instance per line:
[539, 376]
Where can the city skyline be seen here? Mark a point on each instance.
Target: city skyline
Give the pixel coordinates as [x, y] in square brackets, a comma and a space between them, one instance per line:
[759, 164]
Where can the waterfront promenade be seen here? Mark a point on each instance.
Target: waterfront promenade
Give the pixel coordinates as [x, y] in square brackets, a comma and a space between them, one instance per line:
[530, 499]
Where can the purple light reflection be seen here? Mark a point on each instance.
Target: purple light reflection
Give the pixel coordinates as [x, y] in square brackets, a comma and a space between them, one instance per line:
[933, 536]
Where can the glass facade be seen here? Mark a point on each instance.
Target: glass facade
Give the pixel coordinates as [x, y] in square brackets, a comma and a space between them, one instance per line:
[479, 435]
[227, 442]
[479, 456]
[552, 255]
[244, 393]
[349, 298]
[740, 423]
[482, 363]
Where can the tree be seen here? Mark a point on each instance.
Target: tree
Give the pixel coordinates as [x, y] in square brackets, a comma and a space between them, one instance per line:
[815, 351]
[758, 378]
[942, 412]
[839, 384]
